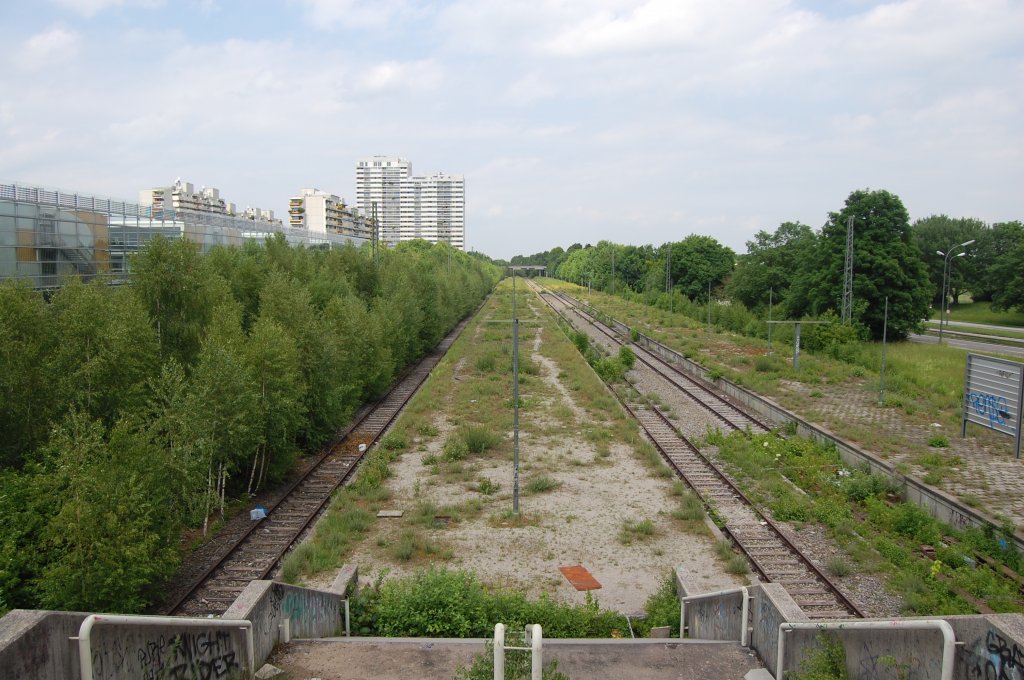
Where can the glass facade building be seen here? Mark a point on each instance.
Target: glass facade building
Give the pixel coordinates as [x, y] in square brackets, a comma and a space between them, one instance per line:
[48, 234]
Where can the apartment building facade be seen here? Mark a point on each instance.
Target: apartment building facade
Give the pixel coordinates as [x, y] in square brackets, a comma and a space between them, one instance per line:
[430, 207]
[322, 212]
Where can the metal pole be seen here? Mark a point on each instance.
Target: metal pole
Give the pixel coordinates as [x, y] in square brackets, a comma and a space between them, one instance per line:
[515, 415]
[885, 332]
[796, 347]
[770, 291]
[942, 306]
[709, 305]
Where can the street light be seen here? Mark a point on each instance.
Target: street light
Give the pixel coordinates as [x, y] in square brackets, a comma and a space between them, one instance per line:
[944, 307]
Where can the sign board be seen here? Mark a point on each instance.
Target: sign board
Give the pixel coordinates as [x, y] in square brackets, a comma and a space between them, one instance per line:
[993, 395]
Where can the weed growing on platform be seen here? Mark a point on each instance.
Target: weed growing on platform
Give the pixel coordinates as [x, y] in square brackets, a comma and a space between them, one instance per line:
[840, 498]
[541, 484]
[438, 602]
[636, 531]
[661, 609]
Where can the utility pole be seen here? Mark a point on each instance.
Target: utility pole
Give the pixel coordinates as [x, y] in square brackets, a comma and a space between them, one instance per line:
[668, 277]
[848, 274]
[515, 400]
[375, 237]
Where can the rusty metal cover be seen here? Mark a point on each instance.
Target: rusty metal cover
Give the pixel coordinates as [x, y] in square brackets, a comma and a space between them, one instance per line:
[579, 577]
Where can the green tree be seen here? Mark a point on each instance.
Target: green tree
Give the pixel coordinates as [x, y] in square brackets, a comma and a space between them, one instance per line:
[107, 349]
[27, 400]
[941, 233]
[111, 538]
[1007, 272]
[886, 263]
[990, 254]
[224, 397]
[169, 278]
[273, 362]
[697, 261]
[171, 419]
[769, 264]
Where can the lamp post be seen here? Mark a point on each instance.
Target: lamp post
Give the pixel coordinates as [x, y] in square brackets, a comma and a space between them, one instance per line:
[944, 307]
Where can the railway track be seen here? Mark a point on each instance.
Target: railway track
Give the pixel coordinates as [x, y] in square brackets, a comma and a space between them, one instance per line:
[257, 552]
[718, 406]
[774, 557]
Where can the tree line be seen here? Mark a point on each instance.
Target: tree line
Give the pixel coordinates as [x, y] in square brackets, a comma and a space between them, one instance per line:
[129, 414]
[799, 270]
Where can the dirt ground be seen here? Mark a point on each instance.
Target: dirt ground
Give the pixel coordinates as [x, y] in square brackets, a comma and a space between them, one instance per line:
[577, 523]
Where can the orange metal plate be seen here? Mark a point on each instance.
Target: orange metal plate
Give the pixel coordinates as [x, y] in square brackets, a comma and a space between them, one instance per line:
[579, 577]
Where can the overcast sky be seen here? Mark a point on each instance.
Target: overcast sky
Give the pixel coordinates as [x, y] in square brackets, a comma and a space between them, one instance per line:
[572, 120]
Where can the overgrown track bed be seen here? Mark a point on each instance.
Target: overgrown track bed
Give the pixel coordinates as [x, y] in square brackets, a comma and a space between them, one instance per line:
[717, 405]
[255, 554]
[774, 557]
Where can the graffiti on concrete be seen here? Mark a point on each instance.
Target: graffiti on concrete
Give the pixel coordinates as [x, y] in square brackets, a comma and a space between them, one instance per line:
[992, 658]
[198, 655]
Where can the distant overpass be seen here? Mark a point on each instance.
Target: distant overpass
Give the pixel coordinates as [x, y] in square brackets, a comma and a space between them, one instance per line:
[535, 268]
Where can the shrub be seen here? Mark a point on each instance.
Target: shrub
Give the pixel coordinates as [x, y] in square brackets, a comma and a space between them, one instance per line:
[479, 439]
[914, 522]
[627, 357]
[661, 609]
[438, 602]
[837, 566]
[393, 441]
[542, 484]
[427, 430]
[610, 370]
[486, 363]
[938, 441]
[455, 449]
[581, 340]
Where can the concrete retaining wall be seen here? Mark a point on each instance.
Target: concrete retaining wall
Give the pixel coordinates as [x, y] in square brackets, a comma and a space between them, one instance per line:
[125, 651]
[939, 504]
[715, 618]
[770, 606]
[37, 645]
[987, 646]
[310, 613]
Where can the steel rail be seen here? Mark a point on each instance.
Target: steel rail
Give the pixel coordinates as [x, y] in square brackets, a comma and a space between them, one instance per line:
[826, 584]
[411, 379]
[674, 373]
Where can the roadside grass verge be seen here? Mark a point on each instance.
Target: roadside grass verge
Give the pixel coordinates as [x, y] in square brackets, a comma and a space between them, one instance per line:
[981, 312]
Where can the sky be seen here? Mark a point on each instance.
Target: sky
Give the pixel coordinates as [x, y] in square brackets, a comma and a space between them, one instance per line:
[573, 121]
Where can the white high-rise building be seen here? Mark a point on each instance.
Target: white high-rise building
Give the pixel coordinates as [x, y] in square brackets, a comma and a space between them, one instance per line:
[431, 207]
[320, 212]
[378, 185]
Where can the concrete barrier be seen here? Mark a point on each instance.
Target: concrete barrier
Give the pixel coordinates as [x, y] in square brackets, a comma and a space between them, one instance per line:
[41, 645]
[37, 644]
[717, 616]
[939, 504]
[770, 607]
[120, 647]
[279, 612]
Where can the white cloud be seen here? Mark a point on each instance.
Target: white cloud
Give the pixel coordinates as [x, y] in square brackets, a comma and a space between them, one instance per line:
[52, 46]
[92, 7]
[361, 14]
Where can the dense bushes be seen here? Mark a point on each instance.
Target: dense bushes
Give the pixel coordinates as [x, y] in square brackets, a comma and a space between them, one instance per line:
[438, 602]
[129, 413]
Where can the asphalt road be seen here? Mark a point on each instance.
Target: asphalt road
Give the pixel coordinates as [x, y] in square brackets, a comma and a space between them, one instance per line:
[972, 345]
